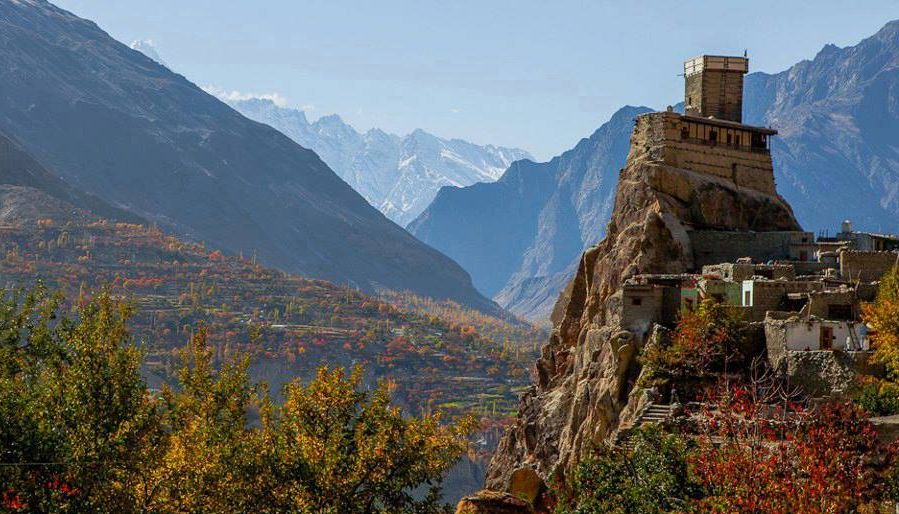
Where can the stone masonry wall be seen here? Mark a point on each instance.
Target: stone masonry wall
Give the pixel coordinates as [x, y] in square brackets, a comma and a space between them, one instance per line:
[715, 246]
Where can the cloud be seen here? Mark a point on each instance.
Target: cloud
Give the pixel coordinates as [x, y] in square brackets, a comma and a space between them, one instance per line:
[234, 96]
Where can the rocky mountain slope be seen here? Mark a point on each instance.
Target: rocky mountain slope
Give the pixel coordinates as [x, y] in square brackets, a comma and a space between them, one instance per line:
[398, 175]
[587, 371]
[118, 125]
[838, 115]
[520, 237]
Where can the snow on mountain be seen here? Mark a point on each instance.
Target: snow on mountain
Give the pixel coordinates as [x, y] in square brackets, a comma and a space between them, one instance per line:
[146, 47]
[398, 175]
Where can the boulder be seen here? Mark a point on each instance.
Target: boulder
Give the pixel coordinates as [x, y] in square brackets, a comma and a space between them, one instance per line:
[493, 502]
[526, 484]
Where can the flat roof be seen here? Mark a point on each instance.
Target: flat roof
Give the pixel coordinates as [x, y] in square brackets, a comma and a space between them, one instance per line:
[715, 62]
[729, 124]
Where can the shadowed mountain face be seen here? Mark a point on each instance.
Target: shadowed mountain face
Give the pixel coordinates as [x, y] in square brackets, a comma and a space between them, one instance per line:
[520, 237]
[119, 126]
[20, 175]
[398, 175]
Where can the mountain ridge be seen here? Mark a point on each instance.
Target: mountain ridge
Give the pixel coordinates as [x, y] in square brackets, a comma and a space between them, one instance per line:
[398, 175]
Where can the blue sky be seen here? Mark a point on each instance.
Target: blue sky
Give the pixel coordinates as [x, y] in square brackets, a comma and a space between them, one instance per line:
[535, 74]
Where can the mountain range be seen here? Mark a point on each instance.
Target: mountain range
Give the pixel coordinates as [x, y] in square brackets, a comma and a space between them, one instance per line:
[116, 125]
[836, 157]
[399, 175]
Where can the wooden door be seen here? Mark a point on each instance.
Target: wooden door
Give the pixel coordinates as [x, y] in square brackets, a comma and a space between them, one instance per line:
[826, 338]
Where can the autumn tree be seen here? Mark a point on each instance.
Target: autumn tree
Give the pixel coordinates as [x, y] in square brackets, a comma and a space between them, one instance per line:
[80, 431]
[755, 456]
[883, 317]
[344, 449]
[706, 340]
[211, 459]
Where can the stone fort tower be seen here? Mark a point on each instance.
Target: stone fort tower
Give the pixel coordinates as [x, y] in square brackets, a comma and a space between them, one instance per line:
[714, 87]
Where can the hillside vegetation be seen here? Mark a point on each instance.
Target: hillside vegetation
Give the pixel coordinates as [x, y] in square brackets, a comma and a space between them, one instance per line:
[435, 352]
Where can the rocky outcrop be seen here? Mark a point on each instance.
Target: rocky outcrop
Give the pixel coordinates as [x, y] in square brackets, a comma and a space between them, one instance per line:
[587, 372]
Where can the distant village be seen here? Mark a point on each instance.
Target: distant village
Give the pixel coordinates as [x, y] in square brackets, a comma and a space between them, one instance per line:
[806, 290]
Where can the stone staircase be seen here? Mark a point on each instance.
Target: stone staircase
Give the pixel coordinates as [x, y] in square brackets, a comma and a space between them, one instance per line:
[652, 414]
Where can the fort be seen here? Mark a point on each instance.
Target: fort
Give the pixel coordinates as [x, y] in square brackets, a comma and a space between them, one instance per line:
[697, 217]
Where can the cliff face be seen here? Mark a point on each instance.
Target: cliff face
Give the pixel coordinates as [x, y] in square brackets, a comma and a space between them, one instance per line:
[587, 371]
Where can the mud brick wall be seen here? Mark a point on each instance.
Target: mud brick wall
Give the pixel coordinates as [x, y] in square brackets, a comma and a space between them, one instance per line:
[747, 168]
[866, 266]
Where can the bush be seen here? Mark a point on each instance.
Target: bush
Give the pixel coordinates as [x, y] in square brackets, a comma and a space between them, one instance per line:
[879, 398]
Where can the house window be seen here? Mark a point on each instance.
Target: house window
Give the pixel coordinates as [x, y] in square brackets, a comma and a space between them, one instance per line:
[841, 312]
[684, 133]
[747, 299]
[803, 255]
[637, 301]
[713, 136]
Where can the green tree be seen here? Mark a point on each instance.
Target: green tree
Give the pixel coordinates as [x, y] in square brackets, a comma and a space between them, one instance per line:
[80, 432]
[76, 425]
[652, 478]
